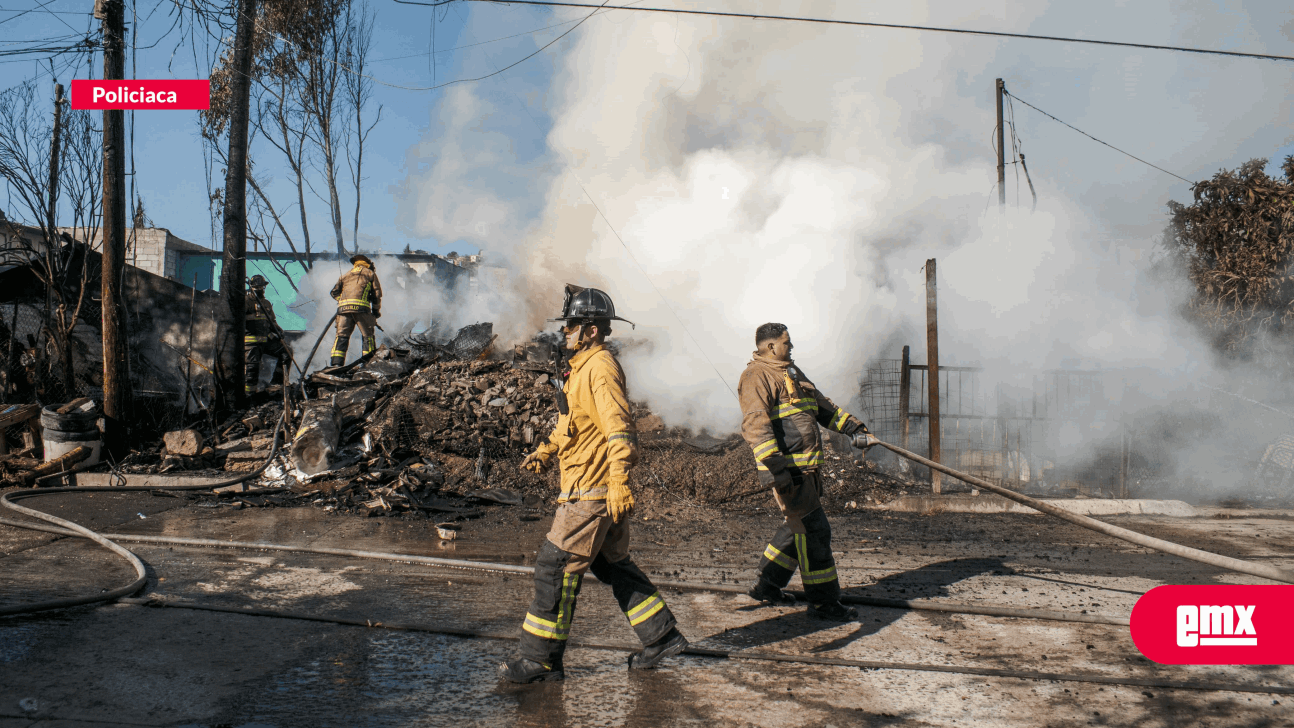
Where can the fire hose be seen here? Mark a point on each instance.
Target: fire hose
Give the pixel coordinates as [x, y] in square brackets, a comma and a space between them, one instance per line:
[141, 574]
[1168, 547]
[72, 529]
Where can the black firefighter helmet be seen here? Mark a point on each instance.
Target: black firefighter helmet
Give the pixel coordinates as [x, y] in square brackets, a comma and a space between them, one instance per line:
[583, 304]
[360, 257]
[257, 282]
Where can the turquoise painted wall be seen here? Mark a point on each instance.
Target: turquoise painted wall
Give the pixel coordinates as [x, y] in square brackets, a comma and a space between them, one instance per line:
[279, 292]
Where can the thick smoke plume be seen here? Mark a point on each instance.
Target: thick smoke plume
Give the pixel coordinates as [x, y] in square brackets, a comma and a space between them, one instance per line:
[713, 175]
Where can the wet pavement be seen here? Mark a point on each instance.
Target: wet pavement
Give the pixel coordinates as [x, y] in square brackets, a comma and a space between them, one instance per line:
[128, 664]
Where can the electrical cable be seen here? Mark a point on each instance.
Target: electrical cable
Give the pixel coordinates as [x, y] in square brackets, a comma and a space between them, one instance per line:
[1185, 552]
[729, 654]
[866, 24]
[433, 561]
[1089, 136]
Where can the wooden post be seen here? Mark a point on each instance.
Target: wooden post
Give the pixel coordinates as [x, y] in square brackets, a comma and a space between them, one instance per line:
[116, 372]
[1001, 151]
[1123, 461]
[233, 269]
[51, 216]
[932, 365]
[905, 394]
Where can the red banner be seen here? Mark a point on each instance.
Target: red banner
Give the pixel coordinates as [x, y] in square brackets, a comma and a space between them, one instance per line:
[1215, 625]
[169, 94]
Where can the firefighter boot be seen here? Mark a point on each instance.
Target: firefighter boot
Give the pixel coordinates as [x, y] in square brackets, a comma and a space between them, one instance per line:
[521, 670]
[671, 644]
[833, 612]
[767, 593]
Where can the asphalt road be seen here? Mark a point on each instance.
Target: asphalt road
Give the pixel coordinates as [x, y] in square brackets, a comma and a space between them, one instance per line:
[172, 664]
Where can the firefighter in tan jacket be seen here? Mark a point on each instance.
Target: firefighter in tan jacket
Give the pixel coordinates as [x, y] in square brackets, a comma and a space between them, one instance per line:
[596, 443]
[781, 412]
[359, 302]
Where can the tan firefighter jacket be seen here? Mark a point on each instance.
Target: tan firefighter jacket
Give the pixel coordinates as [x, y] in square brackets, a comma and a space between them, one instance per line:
[780, 413]
[596, 441]
[261, 322]
[358, 290]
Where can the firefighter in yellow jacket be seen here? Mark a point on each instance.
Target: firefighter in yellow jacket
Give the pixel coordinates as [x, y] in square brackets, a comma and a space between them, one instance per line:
[596, 443]
[359, 302]
[781, 412]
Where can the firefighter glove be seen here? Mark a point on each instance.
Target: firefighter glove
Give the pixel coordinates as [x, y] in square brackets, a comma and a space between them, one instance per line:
[620, 502]
[534, 462]
[864, 439]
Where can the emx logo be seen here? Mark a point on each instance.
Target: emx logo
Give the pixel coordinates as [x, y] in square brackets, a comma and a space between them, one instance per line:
[1219, 623]
[1215, 625]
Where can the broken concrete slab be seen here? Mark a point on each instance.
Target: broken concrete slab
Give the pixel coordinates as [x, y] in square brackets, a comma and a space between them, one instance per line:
[183, 442]
[141, 480]
[986, 503]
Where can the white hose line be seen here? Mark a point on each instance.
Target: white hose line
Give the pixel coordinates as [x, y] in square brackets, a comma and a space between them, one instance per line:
[920, 605]
[1168, 547]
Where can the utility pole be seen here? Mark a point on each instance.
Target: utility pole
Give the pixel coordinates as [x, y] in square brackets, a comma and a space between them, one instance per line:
[1001, 149]
[51, 216]
[932, 371]
[233, 271]
[116, 373]
[905, 394]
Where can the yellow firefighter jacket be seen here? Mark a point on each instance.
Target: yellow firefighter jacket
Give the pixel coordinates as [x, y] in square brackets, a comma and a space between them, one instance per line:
[261, 322]
[781, 410]
[358, 290]
[595, 442]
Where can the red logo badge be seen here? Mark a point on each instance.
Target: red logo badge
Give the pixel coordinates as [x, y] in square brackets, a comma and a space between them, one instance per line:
[170, 94]
[1215, 625]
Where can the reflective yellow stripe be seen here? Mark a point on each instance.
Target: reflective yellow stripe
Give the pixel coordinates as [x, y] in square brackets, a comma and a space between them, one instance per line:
[353, 302]
[818, 577]
[645, 609]
[764, 449]
[821, 576]
[799, 405]
[838, 421]
[629, 437]
[807, 459]
[543, 628]
[777, 557]
[560, 629]
[800, 460]
[255, 339]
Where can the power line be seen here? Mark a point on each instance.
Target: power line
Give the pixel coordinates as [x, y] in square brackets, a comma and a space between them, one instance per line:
[896, 26]
[1089, 136]
[481, 43]
[348, 69]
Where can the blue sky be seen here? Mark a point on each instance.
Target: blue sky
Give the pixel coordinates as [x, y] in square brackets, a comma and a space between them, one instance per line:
[168, 155]
[515, 118]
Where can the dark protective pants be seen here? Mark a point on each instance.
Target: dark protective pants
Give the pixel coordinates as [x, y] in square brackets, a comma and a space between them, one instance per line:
[803, 541]
[346, 323]
[254, 352]
[598, 545]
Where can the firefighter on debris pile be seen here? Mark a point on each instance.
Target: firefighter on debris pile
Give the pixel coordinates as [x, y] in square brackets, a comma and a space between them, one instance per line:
[596, 443]
[262, 336]
[781, 411]
[359, 302]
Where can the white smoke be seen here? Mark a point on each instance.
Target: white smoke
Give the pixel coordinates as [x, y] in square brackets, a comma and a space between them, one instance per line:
[713, 175]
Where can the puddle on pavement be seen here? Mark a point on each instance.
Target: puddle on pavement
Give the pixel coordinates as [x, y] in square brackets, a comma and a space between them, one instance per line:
[19, 634]
[396, 679]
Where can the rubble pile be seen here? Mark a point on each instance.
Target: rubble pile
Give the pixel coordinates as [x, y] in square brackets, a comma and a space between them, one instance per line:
[437, 429]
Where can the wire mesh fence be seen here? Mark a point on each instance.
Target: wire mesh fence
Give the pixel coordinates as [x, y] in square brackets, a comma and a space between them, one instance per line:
[1013, 434]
